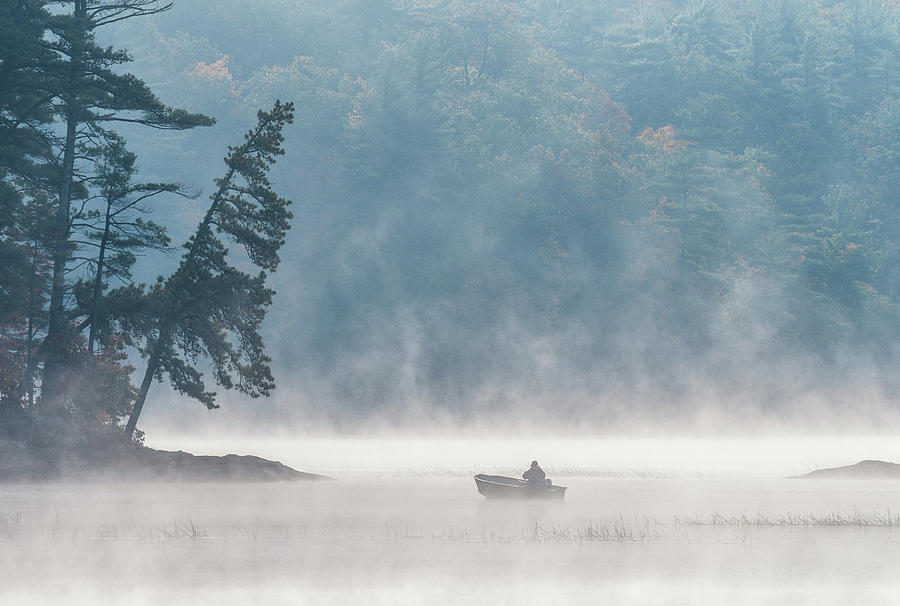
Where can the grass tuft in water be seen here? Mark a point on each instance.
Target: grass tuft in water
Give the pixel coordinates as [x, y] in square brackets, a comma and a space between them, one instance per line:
[855, 518]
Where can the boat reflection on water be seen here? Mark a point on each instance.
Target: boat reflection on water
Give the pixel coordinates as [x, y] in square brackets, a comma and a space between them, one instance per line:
[502, 487]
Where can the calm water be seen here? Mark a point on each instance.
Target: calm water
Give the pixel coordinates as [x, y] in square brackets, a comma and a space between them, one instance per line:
[398, 539]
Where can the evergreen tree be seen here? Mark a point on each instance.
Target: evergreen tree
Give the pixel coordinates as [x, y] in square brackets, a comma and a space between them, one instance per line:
[92, 94]
[28, 234]
[208, 308]
[27, 88]
[25, 113]
[115, 232]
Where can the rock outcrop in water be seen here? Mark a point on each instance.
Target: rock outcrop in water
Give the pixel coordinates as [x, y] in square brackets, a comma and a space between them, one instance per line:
[862, 470]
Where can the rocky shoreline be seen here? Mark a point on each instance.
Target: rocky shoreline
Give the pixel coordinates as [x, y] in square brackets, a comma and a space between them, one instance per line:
[124, 462]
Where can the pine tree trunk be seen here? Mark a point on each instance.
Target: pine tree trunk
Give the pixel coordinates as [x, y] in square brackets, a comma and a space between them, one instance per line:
[51, 389]
[29, 343]
[152, 365]
[52, 396]
[98, 284]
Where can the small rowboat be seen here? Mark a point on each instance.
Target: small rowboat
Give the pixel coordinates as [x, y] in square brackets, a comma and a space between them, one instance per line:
[501, 487]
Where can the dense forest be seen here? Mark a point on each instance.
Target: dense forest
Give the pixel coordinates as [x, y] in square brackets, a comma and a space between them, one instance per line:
[557, 208]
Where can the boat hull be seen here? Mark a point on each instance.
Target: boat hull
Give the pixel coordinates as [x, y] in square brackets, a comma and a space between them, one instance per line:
[502, 487]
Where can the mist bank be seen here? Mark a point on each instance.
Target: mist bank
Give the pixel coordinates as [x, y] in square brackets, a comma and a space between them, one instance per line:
[288, 413]
[393, 454]
[562, 214]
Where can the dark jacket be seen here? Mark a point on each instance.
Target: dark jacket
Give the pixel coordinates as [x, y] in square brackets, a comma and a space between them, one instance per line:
[535, 476]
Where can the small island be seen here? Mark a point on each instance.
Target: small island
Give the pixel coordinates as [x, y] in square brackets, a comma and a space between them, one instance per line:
[864, 470]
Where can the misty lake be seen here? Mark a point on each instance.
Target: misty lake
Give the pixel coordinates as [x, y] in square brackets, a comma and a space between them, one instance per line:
[422, 535]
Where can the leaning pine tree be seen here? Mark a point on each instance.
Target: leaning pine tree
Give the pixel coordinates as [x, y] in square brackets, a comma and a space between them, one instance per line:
[208, 309]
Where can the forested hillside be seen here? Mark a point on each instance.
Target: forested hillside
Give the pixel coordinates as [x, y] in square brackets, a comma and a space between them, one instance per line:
[557, 208]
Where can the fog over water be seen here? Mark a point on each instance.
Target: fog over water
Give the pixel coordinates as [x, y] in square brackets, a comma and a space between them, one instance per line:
[644, 522]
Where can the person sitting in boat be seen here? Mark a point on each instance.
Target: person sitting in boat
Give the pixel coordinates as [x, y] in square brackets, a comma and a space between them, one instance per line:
[535, 476]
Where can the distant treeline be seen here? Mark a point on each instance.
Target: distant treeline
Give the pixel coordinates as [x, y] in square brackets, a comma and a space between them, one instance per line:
[569, 202]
